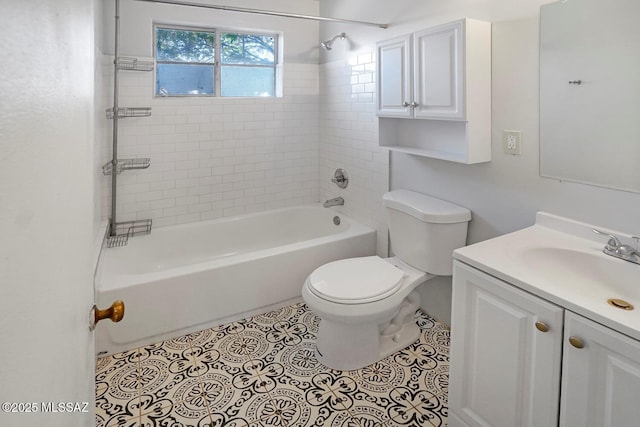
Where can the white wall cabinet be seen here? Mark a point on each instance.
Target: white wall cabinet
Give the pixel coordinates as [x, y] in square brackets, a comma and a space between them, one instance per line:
[601, 380]
[439, 88]
[507, 347]
[394, 78]
[422, 74]
[442, 75]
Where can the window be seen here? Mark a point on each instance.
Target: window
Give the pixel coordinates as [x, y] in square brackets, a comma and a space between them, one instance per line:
[211, 62]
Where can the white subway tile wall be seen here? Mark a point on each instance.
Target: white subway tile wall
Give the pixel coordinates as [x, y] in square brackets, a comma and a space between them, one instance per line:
[349, 140]
[215, 157]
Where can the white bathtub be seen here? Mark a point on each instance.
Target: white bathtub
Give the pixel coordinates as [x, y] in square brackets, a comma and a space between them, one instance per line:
[184, 278]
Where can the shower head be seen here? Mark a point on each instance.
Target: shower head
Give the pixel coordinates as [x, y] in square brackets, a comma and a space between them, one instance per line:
[327, 44]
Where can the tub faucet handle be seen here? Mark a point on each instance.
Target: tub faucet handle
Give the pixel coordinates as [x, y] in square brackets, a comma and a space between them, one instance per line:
[340, 178]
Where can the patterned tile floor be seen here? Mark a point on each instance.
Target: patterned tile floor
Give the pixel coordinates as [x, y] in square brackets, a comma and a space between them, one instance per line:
[262, 371]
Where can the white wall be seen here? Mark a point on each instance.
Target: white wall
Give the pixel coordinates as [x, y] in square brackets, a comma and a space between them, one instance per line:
[137, 18]
[215, 157]
[102, 142]
[46, 208]
[404, 16]
[505, 193]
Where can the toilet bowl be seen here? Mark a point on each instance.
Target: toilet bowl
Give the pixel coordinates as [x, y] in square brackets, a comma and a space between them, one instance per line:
[366, 305]
[366, 315]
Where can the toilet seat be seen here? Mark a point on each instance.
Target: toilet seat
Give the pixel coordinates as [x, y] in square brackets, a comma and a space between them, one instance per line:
[355, 280]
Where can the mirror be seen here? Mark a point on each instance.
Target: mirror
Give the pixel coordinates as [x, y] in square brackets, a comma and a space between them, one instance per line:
[590, 92]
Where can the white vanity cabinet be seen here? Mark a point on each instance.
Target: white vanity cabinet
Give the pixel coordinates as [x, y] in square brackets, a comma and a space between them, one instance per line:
[441, 74]
[506, 348]
[600, 380]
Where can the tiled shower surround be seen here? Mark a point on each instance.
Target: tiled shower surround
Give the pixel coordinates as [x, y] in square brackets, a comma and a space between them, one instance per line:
[215, 157]
[218, 157]
[262, 371]
[349, 140]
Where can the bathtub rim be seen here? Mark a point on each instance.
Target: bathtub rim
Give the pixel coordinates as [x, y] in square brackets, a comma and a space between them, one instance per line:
[107, 281]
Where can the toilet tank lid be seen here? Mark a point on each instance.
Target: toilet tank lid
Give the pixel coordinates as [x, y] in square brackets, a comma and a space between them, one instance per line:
[425, 208]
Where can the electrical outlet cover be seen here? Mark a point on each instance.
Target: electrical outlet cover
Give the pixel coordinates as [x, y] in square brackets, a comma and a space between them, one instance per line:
[512, 142]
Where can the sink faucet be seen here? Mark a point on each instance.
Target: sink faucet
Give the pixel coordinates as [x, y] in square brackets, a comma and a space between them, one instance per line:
[338, 201]
[616, 248]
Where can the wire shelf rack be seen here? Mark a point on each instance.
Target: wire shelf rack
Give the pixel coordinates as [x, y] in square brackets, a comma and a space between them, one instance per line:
[133, 64]
[126, 164]
[119, 236]
[117, 241]
[129, 112]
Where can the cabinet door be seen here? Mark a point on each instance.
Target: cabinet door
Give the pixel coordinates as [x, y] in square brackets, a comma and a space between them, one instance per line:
[505, 372]
[601, 380]
[439, 72]
[394, 77]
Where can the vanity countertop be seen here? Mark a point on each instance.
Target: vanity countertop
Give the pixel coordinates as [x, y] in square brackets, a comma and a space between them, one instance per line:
[561, 260]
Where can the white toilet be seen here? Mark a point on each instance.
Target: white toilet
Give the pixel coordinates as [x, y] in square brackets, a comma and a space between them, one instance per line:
[366, 305]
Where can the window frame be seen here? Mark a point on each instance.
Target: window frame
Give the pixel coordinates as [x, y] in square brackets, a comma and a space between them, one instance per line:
[217, 62]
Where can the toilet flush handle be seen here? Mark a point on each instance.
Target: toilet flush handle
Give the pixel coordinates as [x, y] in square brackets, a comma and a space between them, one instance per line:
[115, 313]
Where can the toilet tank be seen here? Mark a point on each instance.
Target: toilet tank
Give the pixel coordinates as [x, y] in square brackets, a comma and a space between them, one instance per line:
[425, 231]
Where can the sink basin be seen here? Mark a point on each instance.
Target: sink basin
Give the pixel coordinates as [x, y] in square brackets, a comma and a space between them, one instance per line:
[561, 261]
[588, 272]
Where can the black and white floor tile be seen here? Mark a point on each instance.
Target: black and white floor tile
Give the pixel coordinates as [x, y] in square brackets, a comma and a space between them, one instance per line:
[262, 371]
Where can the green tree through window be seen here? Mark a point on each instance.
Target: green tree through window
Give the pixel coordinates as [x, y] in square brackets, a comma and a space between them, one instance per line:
[247, 49]
[189, 60]
[185, 46]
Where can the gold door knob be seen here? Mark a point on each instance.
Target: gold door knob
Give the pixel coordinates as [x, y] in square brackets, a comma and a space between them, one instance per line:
[576, 342]
[115, 312]
[542, 327]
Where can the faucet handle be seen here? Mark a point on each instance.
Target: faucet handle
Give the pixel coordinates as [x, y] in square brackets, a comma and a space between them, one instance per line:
[340, 178]
[613, 243]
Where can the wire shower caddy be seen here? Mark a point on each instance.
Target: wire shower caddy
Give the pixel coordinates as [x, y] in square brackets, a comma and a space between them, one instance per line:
[119, 232]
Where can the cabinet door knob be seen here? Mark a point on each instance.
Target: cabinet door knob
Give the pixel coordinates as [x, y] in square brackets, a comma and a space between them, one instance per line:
[405, 104]
[576, 342]
[414, 104]
[542, 327]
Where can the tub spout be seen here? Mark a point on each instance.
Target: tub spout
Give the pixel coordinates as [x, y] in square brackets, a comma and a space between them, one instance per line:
[338, 201]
